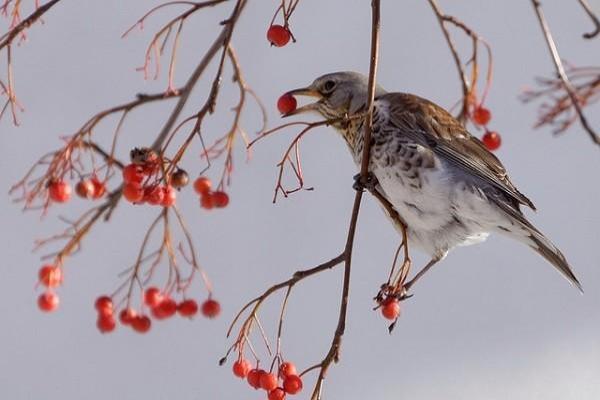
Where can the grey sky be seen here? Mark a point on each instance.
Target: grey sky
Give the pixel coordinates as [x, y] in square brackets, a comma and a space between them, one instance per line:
[493, 321]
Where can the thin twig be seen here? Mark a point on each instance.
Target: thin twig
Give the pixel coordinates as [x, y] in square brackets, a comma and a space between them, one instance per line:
[588, 9]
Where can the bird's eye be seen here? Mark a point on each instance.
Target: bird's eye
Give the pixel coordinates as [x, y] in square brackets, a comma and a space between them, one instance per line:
[328, 86]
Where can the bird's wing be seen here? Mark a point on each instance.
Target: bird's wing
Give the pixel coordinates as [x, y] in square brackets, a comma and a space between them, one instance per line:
[433, 127]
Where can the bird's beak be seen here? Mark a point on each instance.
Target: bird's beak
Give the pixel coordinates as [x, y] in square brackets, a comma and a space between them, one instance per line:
[307, 91]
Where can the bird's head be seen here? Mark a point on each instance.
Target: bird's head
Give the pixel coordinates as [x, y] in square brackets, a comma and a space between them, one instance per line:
[338, 94]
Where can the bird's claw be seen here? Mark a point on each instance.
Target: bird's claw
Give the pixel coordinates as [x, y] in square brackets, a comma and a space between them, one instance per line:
[361, 183]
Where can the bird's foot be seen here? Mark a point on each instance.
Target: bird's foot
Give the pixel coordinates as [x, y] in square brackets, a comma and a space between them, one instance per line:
[361, 183]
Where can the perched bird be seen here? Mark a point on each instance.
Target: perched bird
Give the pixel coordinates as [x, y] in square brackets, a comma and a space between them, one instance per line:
[447, 187]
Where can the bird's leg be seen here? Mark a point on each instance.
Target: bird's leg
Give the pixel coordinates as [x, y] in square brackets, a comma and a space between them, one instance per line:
[422, 272]
[369, 182]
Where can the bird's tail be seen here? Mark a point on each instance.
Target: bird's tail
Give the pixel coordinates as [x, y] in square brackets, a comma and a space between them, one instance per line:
[529, 235]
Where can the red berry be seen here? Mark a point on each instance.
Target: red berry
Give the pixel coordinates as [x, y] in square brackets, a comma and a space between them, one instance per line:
[48, 301]
[106, 323]
[220, 199]
[50, 276]
[152, 297]
[141, 324]
[59, 191]
[276, 394]
[154, 195]
[202, 185]
[127, 316]
[187, 308]
[292, 384]
[179, 178]
[85, 189]
[207, 201]
[481, 116]
[241, 368]
[491, 140]
[278, 35]
[133, 193]
[268, 381]
[391, 309]
[211, 308]
[104, 305]
[286, 103]
[169, 196]
[286, 369]
[165, 309]
[99, 188]
[253, 377]
[134, 174]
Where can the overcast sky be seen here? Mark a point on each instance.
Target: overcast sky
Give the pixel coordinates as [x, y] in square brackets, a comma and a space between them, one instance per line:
[493, 321]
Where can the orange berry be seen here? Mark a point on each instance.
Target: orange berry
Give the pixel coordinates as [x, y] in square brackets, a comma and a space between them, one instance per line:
[187, 308]
[165, 309]
[220, 199]
[50, 276]
[211, 308]
[292, 384]
[268, 381]
[491, 140]
[141, 324]
[169, 196]
[286, 103]
[106, 323]
[59, 191]
[481, 116]
[241, 368]
[133, 174]
[276, 394]
[202, 185]
[278, 35]
[48, 301]
[85, 189]
[104, 305]
[152, 297]
[253, 377]
[286, 369]
[99, 188]
[207, 201]
[154, 195]
[127, 316]
[391, 309]
[133, 193]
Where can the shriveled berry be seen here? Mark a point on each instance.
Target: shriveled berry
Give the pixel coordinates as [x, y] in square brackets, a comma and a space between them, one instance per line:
[220, 199]
[276, 394]
[59, 191]
[169, 196]
[211, 308]
[50, 276]
[152, 297]
[286, 103]
[481, 116]
[133, 193]
[179, 179]
[104, 305]
[141, 324]
[127, 316]
[253, 377]
[187, 308]
[278, 35]
[48, 301]
[286, 369]
[85, 189]
[133, 174]
[391, 309]
[268, 381]
[491, 140]
[202, 185]
[241, 368]
[106, 323]
[292, 384]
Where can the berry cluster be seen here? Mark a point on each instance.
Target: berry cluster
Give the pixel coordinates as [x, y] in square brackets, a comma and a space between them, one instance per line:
[277, 386]
[60, 191]
[208, 198]
[481, 116]
[50, 276]
[161, 305]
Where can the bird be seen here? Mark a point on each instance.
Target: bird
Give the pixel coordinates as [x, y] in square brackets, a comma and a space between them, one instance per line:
[448, 188]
